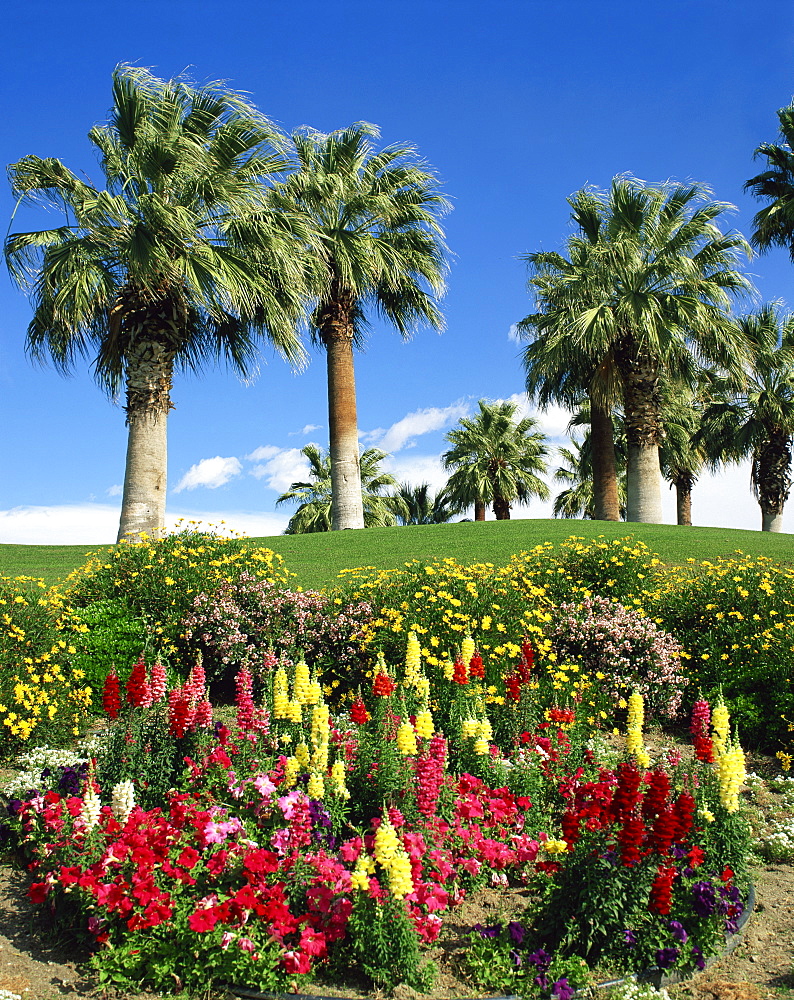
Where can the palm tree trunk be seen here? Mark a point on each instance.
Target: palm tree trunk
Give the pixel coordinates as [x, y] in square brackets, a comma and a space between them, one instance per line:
[347, 508]
[605, 475]
[479, 510]
[771, 478]
[684, 482]
[639, 373]
[148, 375]
[501, 508]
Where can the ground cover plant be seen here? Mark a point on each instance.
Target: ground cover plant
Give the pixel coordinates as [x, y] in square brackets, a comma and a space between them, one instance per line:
[394, 745]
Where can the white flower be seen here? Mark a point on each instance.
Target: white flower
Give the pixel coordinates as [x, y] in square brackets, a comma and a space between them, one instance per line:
[123, 800]
[92, 807]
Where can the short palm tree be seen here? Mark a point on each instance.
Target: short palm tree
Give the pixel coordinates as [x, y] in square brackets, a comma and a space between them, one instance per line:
[774, 224]
[423, 507]
[495, 459]
[651, 300]
[179, 258]
[375, 218]
[757, 419]
[682, 454]
[315, 497]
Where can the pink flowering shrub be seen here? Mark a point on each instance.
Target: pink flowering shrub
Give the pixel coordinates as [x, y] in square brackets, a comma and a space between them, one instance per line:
[627, 648]
[234, 626]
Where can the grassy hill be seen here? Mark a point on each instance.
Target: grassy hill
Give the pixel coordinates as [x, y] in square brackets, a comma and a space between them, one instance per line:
[317, 559]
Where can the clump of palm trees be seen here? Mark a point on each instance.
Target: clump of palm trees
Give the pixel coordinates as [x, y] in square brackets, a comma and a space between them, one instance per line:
[215, 234]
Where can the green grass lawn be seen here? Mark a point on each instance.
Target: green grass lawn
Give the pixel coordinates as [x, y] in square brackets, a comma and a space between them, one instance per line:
[317, 559]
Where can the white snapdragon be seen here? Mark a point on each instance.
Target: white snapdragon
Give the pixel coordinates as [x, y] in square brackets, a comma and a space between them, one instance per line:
[92, 808]
[123, 800]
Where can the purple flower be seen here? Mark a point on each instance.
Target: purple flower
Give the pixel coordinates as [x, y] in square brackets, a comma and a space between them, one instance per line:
[13, 807]
[665, 957]
[540, 959]
[697, 954]
[629, 937]
[704, 899]
[516, 958]
[562, 989]
[488, 932]
[516, 932]
[679, 933]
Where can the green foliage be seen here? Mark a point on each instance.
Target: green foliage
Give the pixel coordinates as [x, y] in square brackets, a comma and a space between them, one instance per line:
[735, 619]
[157, 581]
[108, 634]
[384, 944]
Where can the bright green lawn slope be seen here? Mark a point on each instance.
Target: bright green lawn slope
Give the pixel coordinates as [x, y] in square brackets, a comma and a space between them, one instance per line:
[317, 559]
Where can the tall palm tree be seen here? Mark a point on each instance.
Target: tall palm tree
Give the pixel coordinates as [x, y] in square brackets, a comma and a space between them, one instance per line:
[558, 370]
[315, 496]
[422, 507]
[375, 216]
[757, 420]
[652, 299]
[774, 224]
[495, 459]
[177, 260]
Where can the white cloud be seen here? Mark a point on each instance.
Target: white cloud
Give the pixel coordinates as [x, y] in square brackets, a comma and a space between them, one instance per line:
[513, 334]
[115, 490]
[283, 468]
[308, 429]
[263, 453]
[210, 473]
[418, 469]
[401, 434]
[98, 524]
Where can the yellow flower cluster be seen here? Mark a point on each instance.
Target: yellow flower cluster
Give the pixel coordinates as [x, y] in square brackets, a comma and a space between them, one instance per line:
[635, 722]
[406, 739]
[391, 856]
[310, 757]
[731, 771]
[306, 691]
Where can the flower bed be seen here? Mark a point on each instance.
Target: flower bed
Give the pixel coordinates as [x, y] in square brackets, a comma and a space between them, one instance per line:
[287, 842]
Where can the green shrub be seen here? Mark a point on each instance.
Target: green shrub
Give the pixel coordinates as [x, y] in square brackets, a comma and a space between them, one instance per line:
[157, 581]
[109, 635]
[735, 619]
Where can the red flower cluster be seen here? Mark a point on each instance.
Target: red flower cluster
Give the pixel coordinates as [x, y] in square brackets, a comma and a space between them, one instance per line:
[359, 713]
[522, 673]
[139, 692]
[383, 685]
[476, 667]
[111, 695]
[661, 897]
[429, 771]
[699, 727]
[459, 673]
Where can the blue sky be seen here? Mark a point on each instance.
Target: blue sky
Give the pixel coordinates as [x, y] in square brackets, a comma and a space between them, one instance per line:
[516, 105]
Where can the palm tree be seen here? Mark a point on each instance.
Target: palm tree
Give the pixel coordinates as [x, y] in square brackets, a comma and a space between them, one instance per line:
[682, 454]
[559, 371]
[316, 495]
[495, 459]
[579, 498]
[774, 224]
[375, 217]
[422, 508]
[177, 260]
[650, 300]
[757, 420]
